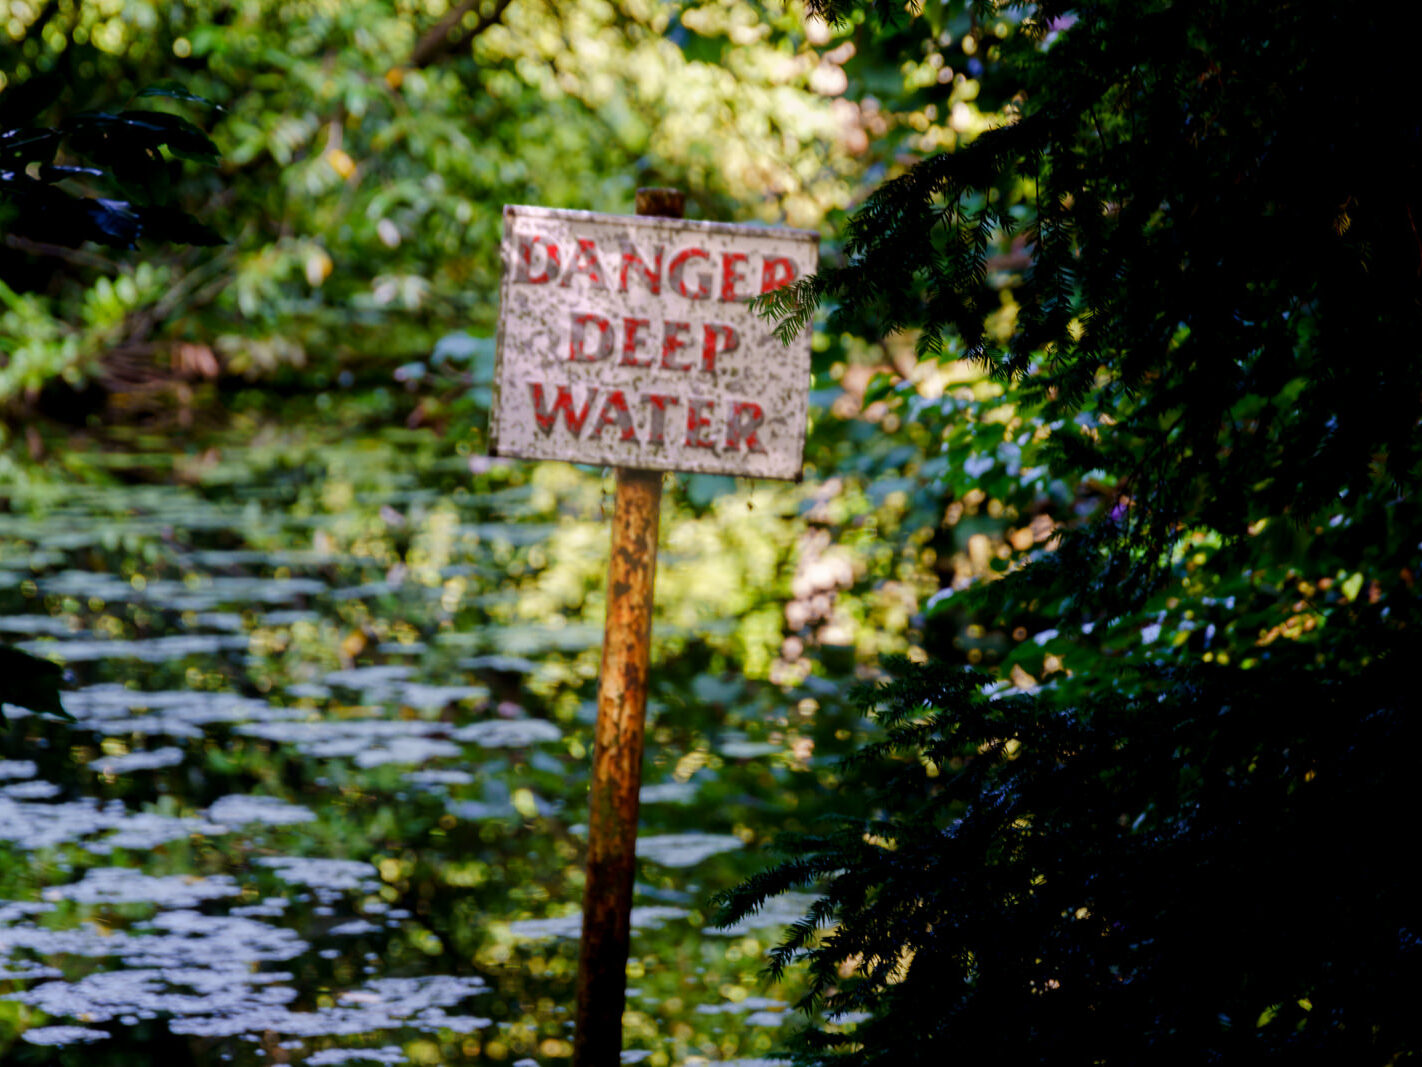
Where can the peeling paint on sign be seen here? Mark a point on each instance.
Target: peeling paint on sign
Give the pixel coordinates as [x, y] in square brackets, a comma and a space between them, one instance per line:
[629, 341]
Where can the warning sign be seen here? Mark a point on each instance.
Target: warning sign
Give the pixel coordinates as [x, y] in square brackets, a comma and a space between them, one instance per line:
[629, 341]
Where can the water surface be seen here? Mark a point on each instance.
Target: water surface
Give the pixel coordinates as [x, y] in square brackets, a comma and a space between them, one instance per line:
[324, 799]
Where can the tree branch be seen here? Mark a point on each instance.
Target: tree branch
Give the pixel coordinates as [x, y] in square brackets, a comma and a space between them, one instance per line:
[440, 42]
[76, 256]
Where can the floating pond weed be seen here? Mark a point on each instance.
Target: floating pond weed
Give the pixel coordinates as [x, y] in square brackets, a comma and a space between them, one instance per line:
[323, 792]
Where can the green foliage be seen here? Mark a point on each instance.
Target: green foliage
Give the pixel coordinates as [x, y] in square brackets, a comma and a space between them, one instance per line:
[1185, 262]
[368, 149]
[1212, 882]
[123, 150]
[1200, 268]
[96, 177]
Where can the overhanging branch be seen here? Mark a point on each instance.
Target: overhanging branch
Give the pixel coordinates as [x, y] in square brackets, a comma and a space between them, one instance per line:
[442, 40]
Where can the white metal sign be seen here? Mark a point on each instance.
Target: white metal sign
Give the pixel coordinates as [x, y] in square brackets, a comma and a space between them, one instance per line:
[628, 341]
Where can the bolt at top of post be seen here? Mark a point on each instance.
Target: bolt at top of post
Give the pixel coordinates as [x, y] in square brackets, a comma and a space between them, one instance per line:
[662, 203]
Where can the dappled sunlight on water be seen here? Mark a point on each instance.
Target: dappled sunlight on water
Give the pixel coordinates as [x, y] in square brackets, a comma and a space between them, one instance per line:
[323, 800]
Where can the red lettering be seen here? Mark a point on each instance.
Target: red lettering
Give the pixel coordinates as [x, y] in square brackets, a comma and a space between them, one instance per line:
[614, 413]
[631, 342]
[586, 262]
[678, 266]
[578, 335]
[715, 338]
[524, 269]
[548, 416]
[632, 258]
[776, 272]
[673, 341]
[730, 276]
[742, 422]
[659, 402]
[698, 420]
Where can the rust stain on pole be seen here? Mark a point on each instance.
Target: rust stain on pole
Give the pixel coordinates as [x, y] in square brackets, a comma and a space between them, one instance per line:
[617, 747]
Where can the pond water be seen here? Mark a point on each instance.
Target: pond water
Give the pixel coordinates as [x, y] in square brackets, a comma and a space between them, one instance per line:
[324, 799]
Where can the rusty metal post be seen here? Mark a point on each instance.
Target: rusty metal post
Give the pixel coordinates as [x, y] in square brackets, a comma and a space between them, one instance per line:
[617, 747]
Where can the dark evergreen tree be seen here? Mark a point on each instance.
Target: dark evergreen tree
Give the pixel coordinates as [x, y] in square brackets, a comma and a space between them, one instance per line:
[1191, 845]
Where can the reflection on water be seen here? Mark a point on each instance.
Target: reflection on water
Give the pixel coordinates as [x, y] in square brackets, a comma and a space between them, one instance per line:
[322, 800]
